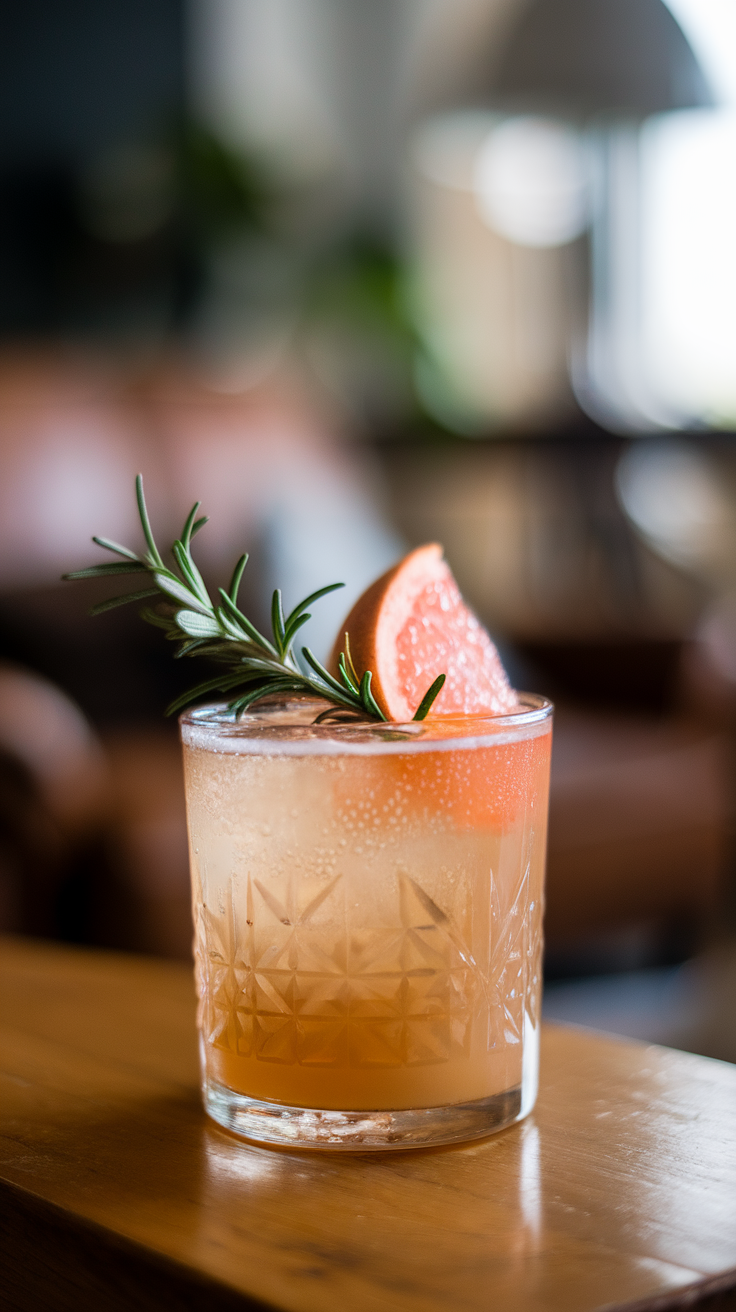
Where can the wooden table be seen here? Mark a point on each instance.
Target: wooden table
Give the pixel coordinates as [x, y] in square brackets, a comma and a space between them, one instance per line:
[117, 1193]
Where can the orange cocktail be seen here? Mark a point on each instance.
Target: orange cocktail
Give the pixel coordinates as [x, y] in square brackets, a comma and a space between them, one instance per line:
[368, 908]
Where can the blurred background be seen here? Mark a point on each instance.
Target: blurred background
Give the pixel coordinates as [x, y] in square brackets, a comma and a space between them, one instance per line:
[360, 274]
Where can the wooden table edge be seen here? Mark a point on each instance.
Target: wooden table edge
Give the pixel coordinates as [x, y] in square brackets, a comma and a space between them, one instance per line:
[142, 1278]
[107, 1262]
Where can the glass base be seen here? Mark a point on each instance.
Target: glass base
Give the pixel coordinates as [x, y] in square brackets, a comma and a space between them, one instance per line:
[416, 1127]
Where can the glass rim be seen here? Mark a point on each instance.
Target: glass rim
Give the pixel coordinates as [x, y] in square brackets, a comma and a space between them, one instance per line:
[213, 729]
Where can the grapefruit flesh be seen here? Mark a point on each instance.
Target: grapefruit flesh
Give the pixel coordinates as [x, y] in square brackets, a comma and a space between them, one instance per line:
[412, 625]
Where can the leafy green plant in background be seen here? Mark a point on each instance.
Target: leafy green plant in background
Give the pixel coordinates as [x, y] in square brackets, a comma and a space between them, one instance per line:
[344, 295]
[248, 253]
[220, 191]
[356, 329]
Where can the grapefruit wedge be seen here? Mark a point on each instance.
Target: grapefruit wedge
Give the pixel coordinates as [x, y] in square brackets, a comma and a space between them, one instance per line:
[412, 625]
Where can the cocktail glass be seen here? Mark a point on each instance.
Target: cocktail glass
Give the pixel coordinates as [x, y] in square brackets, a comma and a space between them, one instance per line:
[368, 922]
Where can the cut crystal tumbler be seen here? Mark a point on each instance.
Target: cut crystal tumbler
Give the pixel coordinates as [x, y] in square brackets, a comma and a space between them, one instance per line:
[368, 911]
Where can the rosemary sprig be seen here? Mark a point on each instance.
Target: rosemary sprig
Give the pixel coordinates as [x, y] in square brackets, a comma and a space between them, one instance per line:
[254, 666]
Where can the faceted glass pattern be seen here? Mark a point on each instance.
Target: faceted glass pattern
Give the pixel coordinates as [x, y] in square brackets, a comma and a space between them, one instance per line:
[282, 987]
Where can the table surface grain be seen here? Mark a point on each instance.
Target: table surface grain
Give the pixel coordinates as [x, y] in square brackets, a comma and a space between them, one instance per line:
[116, 1192]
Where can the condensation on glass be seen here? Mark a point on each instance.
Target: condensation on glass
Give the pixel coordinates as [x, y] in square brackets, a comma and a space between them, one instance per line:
[368, 922]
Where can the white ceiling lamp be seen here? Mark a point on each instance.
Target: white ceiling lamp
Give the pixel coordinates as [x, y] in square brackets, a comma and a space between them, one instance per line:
[531, 182]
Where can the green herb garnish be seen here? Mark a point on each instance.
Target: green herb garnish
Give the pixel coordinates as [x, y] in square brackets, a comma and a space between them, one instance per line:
[254, 666]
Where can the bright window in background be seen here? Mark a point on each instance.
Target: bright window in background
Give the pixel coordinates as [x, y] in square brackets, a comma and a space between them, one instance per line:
[689, 238]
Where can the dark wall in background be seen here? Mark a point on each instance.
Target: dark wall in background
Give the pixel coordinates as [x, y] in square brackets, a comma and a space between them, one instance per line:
[77, 78]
